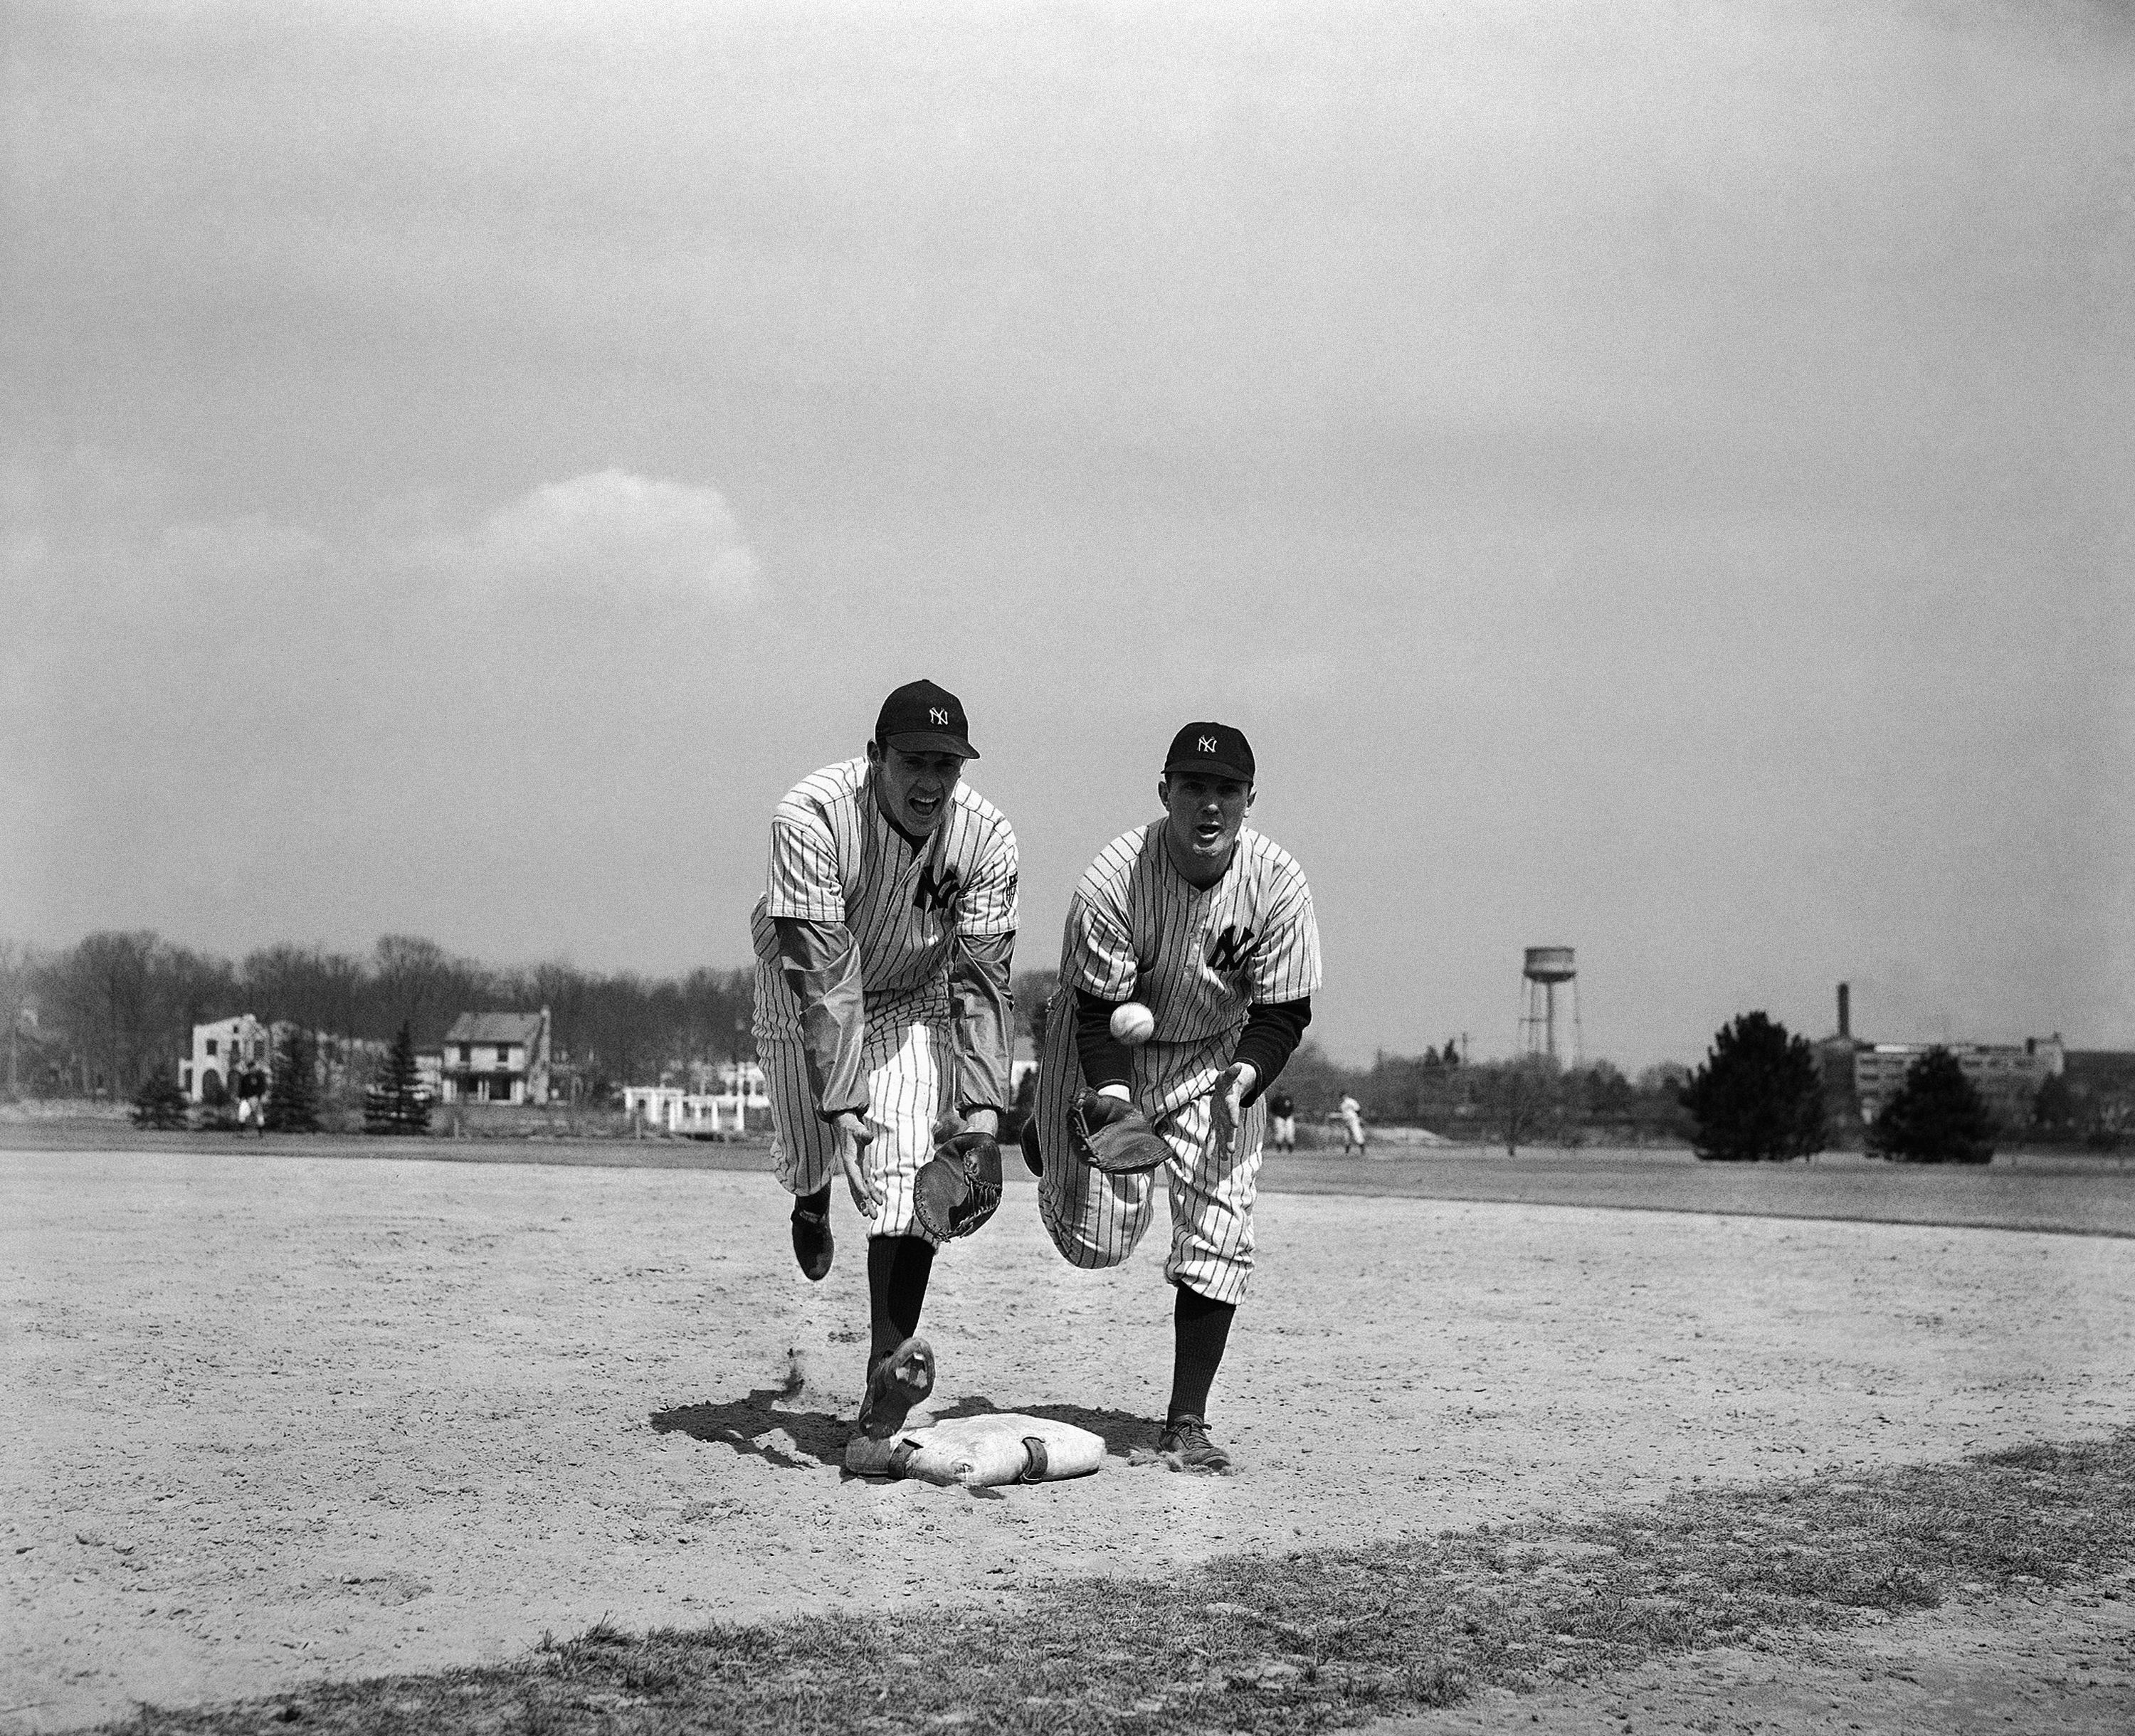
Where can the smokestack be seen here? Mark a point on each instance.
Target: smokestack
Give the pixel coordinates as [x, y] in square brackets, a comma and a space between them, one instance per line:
[1844, 1009]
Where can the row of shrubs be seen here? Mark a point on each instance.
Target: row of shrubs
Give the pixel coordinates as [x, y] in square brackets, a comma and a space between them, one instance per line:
[1760, 1095]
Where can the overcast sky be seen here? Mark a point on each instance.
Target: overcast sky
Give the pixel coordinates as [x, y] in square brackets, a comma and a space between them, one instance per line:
[1654, 479]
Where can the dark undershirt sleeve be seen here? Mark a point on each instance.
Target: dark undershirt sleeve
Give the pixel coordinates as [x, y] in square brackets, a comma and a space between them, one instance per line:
[1105, 1060]
[1270, 1037]
[822, 967]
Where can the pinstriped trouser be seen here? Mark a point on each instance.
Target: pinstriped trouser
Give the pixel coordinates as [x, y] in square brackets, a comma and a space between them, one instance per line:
[908, 1079]
[1098, 1220]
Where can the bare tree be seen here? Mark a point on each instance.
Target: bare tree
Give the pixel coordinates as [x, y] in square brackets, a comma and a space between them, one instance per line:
[18, 969]
[1520, 1098]
[410, 975]
[99, 990]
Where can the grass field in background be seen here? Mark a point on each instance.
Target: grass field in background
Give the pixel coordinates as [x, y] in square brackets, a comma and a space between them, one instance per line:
[2059, 1193]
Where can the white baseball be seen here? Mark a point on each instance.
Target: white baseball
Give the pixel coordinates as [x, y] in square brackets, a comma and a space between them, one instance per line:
[1133, 1023]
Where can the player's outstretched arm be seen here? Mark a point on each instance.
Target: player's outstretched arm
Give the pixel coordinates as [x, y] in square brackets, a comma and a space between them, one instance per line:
[1107, 1063]
[982, 1035]
[1273, 1030]
[822, 967]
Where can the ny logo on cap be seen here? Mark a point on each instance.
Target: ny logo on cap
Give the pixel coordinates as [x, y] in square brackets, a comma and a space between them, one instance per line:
[1208, 743]
[937, 715]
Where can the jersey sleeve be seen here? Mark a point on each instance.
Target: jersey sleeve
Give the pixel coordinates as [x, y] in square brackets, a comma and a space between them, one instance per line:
[804, 866]
[1096, 952]
[987, 910]
[982, 1035]
[1285, 966]
[822, 968]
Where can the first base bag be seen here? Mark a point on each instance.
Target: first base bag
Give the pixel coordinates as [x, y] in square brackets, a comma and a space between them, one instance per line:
[979, 1452]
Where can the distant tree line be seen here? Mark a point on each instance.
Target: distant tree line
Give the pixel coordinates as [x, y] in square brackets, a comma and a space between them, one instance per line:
[115, 1012]
[102, 1017]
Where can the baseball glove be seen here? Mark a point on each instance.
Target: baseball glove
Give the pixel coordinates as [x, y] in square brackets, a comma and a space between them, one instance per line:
[1111, 1134]
[957, 1189]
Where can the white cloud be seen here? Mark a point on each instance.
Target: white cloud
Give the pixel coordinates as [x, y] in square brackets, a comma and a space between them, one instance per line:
[611, 532]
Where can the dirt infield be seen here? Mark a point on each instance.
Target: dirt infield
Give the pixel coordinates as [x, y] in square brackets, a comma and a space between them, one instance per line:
[284, 1417]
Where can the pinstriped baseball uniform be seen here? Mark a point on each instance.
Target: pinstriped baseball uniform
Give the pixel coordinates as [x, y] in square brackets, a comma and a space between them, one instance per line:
[834, 858]
[1197, 958]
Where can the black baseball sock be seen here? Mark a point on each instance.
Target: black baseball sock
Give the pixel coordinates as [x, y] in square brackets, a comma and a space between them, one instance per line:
[1200, 1328]
[898, 1267]
[817, 1203]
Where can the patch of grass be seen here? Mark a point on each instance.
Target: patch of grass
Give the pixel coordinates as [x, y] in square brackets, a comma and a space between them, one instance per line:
[1305, 1641]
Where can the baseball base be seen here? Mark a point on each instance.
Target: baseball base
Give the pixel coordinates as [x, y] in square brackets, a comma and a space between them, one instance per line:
[981, 1452]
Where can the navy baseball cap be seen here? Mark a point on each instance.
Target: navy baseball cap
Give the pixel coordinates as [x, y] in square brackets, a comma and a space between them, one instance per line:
[1210, 747]
[921, 718]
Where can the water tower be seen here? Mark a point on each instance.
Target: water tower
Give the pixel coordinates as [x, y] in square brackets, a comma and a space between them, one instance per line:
[1545, 967]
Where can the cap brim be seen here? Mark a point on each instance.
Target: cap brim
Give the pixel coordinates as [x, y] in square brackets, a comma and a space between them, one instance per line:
[1218, 767]
[935, 743]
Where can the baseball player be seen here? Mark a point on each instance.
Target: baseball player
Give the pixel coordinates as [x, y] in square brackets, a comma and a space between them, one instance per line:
[252, 1100]
[883, 947]
[1282, 1120]
[1352, 1113]
[1211, 927]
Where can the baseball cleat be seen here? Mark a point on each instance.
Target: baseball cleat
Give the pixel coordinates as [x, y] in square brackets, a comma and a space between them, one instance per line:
[812, 1245]
[900, 1380]
[1184, 1445]
[1033, 1159]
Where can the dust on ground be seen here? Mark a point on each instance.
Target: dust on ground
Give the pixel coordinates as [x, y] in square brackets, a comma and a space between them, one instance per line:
[286, 1417]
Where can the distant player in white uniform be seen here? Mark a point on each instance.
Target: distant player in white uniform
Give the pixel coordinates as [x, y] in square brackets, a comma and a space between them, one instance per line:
[1352, 1124]
[1211, 927]
[883, 948]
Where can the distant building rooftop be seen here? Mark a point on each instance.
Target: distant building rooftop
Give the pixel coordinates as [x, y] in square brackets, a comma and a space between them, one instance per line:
[495, 1028]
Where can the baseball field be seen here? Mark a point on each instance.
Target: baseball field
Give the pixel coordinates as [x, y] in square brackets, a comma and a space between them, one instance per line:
[283, 1419]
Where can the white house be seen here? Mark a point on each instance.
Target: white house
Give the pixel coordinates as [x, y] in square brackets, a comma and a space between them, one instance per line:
[241, 1042]
[497, 1057]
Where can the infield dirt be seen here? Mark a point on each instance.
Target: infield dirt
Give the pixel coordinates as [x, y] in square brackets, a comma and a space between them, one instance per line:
[278, 1417]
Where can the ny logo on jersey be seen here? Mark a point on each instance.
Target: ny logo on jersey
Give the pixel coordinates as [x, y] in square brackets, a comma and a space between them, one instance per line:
[1231, 949]
[938, 896]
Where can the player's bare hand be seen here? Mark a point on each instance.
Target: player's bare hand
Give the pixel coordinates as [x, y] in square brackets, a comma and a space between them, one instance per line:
[854, 1138]
[1227, 1103]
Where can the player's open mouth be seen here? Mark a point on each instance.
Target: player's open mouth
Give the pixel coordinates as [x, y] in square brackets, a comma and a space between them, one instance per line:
[1207, 833]
[923, 806]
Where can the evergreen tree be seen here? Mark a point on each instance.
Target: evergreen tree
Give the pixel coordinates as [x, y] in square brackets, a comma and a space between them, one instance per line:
[1938, 1116]
[1452, 1054]
[1758, 1095]
[160, 1103]
[2055, 1109]
[396, 1102]
[293, 1098]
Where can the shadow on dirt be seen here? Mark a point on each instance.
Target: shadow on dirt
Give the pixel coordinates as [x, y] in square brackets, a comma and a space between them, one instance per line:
[761, 1426]
[770, 1426]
